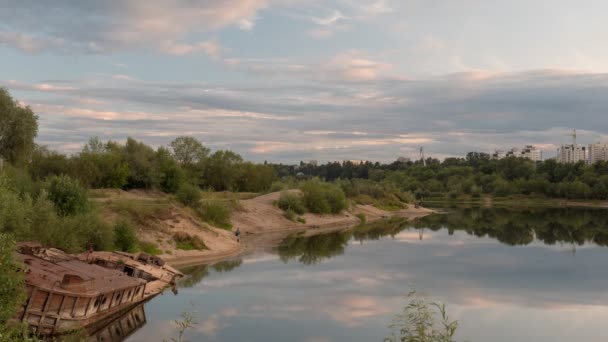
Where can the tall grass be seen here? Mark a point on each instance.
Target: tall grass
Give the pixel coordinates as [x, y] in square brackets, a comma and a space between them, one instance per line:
[216, 213]
[422, 321]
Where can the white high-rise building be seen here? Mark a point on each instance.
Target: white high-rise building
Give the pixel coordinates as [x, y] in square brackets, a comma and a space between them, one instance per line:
[498, 154]
[598, 152]
[572, 153]
[528, 152]
[532, 153]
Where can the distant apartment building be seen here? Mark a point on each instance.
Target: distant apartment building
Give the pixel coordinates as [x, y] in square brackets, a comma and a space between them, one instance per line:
[572, 153]
[498, 154]
[403, 160]
[528, 152]
[597, 152]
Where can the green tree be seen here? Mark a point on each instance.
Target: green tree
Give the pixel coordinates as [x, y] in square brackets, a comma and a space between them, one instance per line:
[188, 151]
[68, 195]
[222, 170]
[141, 160]
[171, 175]
[18, 128]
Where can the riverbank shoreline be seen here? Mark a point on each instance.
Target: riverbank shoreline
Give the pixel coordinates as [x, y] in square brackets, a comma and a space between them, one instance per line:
[254, 238]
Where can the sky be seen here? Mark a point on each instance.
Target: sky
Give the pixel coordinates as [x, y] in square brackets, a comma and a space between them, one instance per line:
[291, 80]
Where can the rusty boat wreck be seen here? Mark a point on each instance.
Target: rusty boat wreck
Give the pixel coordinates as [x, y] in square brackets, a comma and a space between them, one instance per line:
[68, 292]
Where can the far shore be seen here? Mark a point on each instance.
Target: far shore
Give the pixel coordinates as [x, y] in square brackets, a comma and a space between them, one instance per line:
[517, 201]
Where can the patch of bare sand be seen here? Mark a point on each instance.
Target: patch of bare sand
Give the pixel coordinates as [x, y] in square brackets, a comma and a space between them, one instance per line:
[260, 215]
[220, 242]
[160, 228]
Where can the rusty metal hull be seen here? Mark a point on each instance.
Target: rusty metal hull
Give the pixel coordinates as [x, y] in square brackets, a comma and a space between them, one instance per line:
[67, 293]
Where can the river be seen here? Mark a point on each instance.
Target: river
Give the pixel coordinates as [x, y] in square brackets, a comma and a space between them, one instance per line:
[504, 274]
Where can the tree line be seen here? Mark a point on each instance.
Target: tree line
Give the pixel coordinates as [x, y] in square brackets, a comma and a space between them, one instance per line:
[474, 175]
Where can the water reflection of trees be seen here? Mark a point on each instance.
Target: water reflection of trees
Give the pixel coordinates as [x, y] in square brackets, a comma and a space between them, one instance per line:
[520, 227]
[195, 274]
[514, 227]
[314, 249]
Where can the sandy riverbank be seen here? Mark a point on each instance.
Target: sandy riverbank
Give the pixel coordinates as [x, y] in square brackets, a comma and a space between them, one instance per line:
[262, 225]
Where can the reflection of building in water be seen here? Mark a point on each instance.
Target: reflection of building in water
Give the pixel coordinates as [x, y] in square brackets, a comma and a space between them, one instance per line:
[121, 328]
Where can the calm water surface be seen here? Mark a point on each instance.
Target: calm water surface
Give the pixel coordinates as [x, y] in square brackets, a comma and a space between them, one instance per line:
[506, 275]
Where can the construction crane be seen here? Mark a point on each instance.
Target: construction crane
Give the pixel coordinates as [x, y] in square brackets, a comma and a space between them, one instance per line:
[422, 156]
[573, 135]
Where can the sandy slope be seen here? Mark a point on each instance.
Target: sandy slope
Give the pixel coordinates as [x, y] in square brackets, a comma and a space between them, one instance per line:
[259, 220]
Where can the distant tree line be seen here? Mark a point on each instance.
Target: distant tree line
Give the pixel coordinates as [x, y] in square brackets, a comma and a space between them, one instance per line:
[475, 175]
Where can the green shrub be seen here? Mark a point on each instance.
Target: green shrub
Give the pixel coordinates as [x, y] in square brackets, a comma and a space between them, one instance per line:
[362, 218]
[124, 237]
[216, 213]
[301, 219]
[290, 215]
[67, 194]
[188, 242]
[149, 248]
[188, 194]
[323, 198]
[291, 201]
[12, 287]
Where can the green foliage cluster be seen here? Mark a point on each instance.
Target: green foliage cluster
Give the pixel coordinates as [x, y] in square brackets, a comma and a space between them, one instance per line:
[322, 197]
[188, 242]
[125, 238]
[291, 201]
[69, 197]
[51, 214]
[215, 212]
[454, 178]
[188, 194]
[384, 195]
[149, 247]
[18, 128]
[12, 289]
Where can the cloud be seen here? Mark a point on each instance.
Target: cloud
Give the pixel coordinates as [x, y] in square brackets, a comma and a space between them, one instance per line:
[210, 48]
[104, 27]
[329, 20]
[29, 43]
[373, 119]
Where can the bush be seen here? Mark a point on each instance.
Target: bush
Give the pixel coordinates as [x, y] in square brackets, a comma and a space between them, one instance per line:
[188, 242]
[291, 201]
[149, 248]
[323, 198]
[290, 215]
[68, 195]
[124, 237]
[216, 213]
[301, 220]
[188, 194]
[12, 288]
[362, 218]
